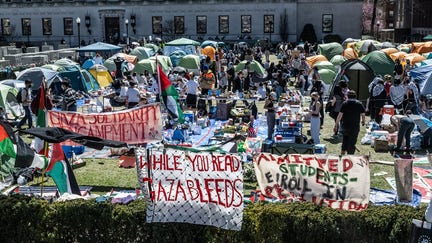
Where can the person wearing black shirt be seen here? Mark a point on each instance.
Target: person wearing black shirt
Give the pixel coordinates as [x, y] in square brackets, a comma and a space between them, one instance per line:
[271, 114]
[350, 113]
[118, 63]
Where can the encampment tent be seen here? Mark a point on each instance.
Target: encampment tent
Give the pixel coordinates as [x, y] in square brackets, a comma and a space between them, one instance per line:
[358, 75]
[105, 48]
[36, 75]
[379, 62]
[101, 74]
[424, 75]
[9, 102]
[78, 81]
[330, 50]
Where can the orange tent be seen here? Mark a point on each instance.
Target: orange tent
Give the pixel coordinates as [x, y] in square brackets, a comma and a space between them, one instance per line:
[389, 51]
[350, 53]
[421, 47]
[314, 59]
[209, 51]
[398, 55]
[414, 58]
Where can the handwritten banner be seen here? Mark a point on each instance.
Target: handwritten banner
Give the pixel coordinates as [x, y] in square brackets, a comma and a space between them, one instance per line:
[198, 188]
[333, 181]
[133, 126]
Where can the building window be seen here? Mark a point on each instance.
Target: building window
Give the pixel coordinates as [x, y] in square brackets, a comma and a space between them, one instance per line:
[327, 23]
[246, 23]
[68, 26]
[26, 26]
[179, 25]
[157, 25]
[6, 27]
[223, 24]
[391, 13]
[268, 23]
[47, 26]
[201, 22]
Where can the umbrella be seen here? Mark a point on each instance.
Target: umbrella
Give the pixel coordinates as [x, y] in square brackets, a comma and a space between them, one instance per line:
[327, 75]
[54, 67]
[254, 66]
[142, 52]
[324, 65]
[88, 64]
[190, 62]
[338, 60]
[145, 65]
[427, 38]
[183, 42]
[36, 75]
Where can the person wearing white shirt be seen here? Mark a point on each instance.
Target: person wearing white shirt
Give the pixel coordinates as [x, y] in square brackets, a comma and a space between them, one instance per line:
[262, 91]
[98, 59]
[132, 95]
[191, 89]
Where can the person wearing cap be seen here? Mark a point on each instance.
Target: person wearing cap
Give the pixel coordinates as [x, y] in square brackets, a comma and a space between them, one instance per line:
[69, 96]
[26, 98]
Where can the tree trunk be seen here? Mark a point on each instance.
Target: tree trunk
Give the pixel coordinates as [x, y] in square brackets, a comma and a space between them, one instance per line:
[375, 2]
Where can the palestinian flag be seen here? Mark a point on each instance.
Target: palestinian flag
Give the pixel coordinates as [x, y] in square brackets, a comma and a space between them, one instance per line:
[170, 97]
[15, 153]
[41, 146]
[61, 172]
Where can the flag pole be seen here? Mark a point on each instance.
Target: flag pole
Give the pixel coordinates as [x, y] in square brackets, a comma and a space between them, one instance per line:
[159, 81]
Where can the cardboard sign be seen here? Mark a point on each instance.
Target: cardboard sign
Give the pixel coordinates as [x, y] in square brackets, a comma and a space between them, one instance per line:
[197, 188]
[333, 181]
[133, 126]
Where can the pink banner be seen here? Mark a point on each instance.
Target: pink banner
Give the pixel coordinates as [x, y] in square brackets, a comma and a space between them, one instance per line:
[133, 126]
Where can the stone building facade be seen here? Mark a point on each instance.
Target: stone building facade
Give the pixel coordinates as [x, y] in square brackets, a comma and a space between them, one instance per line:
[53, 21]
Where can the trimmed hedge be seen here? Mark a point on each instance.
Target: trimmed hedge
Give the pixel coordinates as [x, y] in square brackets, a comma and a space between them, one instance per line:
[25, 219]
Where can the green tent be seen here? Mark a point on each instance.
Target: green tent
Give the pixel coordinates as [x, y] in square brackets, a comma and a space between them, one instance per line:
[79, 81]
[324, 65]
[142, 52]
[182, 42]
[254, 65]
[164, 61]
[338, 60]
[327, 75]
[8, 101]
[380, 63]
[190, 62]
[145, 65]
[330, 50]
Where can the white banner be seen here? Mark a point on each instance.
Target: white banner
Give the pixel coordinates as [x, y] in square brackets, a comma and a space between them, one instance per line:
[333, 181]
[199, 188]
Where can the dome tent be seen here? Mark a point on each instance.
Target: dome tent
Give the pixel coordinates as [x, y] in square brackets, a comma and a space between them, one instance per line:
[358, 75]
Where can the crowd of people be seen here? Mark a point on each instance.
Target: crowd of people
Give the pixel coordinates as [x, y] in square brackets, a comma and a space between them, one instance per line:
[290, 76]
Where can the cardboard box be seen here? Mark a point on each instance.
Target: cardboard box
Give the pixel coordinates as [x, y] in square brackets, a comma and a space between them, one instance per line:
[381, 145]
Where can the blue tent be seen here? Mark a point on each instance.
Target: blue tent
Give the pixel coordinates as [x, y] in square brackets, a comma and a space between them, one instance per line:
[424, 75]
[100, 47]
[80, 80]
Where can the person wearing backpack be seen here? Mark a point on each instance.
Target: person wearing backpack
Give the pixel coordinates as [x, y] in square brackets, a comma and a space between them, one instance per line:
[26, 99]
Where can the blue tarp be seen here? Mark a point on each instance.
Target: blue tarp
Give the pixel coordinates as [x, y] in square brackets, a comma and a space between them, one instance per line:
[423, 75]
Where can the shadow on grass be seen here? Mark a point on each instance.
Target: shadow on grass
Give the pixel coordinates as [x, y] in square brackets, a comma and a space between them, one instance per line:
[333, 140]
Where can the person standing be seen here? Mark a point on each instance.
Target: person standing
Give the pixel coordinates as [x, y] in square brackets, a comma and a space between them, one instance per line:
[69, 96]
[315, 122]
[26, 98]
[270, 106]
[191, 90]
[336, 104]
[350, 113]
[379, 98]
[405, 125]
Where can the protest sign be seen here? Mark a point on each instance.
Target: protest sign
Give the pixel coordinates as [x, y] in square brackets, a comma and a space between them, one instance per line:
[333, 181]
[199, 188]
[133, 126]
